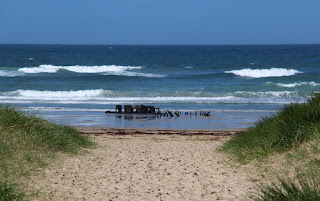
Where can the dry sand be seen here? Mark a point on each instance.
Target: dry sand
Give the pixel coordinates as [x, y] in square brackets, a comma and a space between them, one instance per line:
[147, 165]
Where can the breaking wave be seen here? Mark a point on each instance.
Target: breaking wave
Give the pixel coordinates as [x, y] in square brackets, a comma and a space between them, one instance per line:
[298, 84]
[259, 73]
[100, 96]
[6, 73]
[56, 94]
[77, 69]
[104, 69]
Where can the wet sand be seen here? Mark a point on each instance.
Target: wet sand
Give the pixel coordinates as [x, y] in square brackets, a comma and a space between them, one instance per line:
[142, 164]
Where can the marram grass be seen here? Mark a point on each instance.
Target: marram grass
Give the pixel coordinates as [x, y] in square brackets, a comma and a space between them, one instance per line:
[10, 192]
[288, 190]
[26, 143]
[294, 124]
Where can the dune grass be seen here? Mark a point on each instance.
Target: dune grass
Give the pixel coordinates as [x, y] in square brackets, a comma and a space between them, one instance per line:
[10, 192]
[288, 190]
[28, 142]
[295, 125]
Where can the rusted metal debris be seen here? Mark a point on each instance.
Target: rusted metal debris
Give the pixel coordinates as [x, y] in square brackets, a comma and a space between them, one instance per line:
[142, 109]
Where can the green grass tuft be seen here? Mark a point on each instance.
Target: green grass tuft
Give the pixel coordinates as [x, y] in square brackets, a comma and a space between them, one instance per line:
[27, 142]
[287, 190]
[10, 192]
[294, 124]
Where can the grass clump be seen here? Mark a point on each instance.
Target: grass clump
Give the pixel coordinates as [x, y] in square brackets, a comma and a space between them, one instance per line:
[26, 143]
[294, 124]
[10, 192]
[288, 190]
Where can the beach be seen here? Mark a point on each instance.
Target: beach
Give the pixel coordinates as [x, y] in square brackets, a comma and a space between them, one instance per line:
[147, 156]
[160, 100]
[144, 164]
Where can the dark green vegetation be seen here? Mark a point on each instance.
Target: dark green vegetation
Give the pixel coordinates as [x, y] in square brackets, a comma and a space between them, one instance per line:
[28, 142]
[295, 125]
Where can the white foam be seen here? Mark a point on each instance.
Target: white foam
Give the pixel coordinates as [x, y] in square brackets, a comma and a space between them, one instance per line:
[114, 101]
[104, 69]
[298, 84]
[267, 94]
[259, 73]
[100, 96]
[6, 73]
[63, 109]
[40, 69]
[134, 74]
[59, 94]
[77, 69]
[98, 69]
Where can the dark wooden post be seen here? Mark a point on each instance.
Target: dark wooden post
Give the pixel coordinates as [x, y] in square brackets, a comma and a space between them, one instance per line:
[118, 108]
[128, 109]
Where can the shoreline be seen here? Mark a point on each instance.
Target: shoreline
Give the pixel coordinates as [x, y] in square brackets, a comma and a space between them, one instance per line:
[160, 129]
[217, 121]
[157, 131]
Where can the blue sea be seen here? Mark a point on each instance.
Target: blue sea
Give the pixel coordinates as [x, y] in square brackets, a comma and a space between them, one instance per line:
[76, 84]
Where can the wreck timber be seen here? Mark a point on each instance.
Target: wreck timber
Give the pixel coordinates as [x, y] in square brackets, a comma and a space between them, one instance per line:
[145, 110]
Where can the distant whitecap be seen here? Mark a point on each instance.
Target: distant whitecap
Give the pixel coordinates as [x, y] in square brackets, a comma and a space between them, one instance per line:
[259, 73]
[298, 84]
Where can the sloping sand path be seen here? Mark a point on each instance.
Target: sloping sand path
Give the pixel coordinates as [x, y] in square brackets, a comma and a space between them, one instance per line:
[147, 165]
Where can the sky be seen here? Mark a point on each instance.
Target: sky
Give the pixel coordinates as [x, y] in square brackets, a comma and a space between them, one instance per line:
[205, 22]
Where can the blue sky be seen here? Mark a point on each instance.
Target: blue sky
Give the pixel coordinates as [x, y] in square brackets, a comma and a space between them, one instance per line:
[160, 21]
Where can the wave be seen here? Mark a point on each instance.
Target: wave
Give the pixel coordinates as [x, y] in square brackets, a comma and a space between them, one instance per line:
[134, 74]
[298, 84]
[162, 100]
[77, 69]
[104, 69]
[290, 94]
[62, 109]
[6, 73]
[259, 73]
[110, 94]
[55, 94]
[100, 96]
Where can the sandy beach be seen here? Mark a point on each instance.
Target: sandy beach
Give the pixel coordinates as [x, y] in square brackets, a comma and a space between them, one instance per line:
[140, 164]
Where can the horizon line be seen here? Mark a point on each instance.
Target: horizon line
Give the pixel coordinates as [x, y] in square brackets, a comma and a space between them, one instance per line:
[160, 44]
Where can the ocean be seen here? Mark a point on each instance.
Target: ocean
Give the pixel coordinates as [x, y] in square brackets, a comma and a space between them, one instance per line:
[76, 84]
